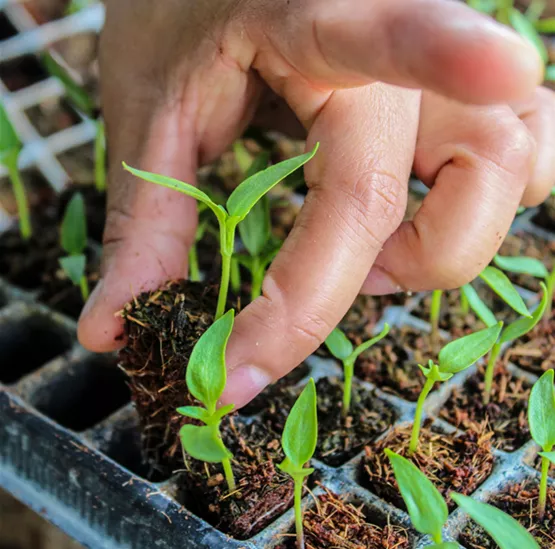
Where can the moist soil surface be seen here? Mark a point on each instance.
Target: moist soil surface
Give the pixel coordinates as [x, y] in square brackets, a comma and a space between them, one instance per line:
[339, 439]
[519, 501]
[162, 328]
[506, 413]
[460, 463]
[263, 492]
[333, 523]
[51, 116]
[392, 364]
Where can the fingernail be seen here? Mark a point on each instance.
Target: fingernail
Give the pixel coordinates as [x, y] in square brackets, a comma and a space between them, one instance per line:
[380, 282]
[93, 298]
[243, 384]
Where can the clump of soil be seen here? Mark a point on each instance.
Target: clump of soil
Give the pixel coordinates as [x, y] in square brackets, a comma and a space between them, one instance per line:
[333, 523]
[520, 501]
[263, 492]
[453, 463]
[535, 351]
[52, 115]
[506, 413]
[339, 439]
[162, 328]
[392, 364]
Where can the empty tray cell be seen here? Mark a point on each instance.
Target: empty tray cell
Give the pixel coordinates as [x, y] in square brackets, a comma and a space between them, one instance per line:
[79, 164]
[85, 393]
[3, 298]
[21, 72]
[52, 115]
[7, 30]
[28, 343]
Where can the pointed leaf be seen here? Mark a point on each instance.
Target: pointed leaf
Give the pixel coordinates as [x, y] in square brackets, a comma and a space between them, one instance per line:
[541, 411]
[425, 505]
[203, 443]
[523, 325]
[10, 144]
[300, 433]
[74, 226]
[249, 192]
[465, 351]
[481, 310]
[298, 474]
[74, 267]
[504, 529]
[527, 30]
[502, 286]
[221, 412]
[548, 455]
[255, 228]
[206, 372]
[194, 412]
[524, 265]
[367, 344]
[338, 344]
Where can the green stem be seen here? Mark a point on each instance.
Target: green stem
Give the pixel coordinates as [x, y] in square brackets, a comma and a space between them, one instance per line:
[194, 271]
[84, 285]
[465, 305]
[100, 157]
[224, 285]
[20, 197]
[435, 309]
[428, 386]
[348, 369]
[257, 278]
[543, 485]
[299, 512]
[550, 283]
[490, 369]
[228, 472]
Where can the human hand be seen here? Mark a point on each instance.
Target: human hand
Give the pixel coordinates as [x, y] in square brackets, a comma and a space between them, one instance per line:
[181, 80]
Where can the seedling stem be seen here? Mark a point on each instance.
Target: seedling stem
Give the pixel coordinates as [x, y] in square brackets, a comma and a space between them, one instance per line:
[490, 369]
[194, 270]
[10, 161]
[298, 480]
[84, 286]
[543, 485]
[228, 472]
[100, 157]
[465, 305]
[428, 386]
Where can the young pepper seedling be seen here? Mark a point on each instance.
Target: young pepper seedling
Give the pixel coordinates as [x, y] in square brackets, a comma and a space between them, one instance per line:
[206, 378]
[456, 356]
[428, 510]
[341, 348]
[73, 239]
[10, 148]
[541, 418]
[238, 205]
[298, 440]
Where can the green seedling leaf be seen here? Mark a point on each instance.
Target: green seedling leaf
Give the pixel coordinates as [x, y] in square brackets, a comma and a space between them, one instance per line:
[204, 443]
[300, 433]
[206, 372]
[74, 267]
[465, 351]
[445, 545]
[546, 26]
[523, 325]
[485, 6]
[249, 192]
[438, 376]
[502, 286]
[522, 265]
[74, 226]
[367, 344]
[541, 411]
[77, 95]
[548, 455]
[504, 529]
[339, 345]
[426, 507]
[180, 186]
[550, 73]
[527, 30]
[194, 412]
[481, 310]
[255, 228]
[10, 144]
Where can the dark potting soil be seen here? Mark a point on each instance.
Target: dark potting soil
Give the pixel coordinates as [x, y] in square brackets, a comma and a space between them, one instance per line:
[392, 364]
[545, 218]
[52, 115]
[506, 413]
[21, 72]
[263, 492]
[519, 501]
[95, 208]
[333, 523]
[457, 463]
[339, 439]
[162, 328]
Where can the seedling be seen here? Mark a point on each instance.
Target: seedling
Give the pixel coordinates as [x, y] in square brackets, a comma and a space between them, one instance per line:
[10, 147]
[73, 239]
[533, 267]
[428, 510]
[238, 205]
[299, 439]
[341, 348]
[455, 357]
[541, 417]
[206, 378]
[77, 5]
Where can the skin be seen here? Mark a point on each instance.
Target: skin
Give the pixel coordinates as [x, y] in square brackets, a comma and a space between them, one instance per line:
[385, 87]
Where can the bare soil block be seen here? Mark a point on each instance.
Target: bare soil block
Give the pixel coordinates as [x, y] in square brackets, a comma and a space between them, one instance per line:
[263, 492]
[21, 72]
[506, 413]
[333, 523]
[339, 439]
[44, 11]
[52, 115]
[162, 327]
[457, 463]
[525, 244]
[519, 501]
[78, 162]
[392, 364]
[535, 351]
[95, 208]
[545, 218]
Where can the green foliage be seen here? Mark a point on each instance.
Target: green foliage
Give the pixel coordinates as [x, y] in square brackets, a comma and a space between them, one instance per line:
[445, 545]
[502, 286]
[74, 266]
[522, 265]
[77, 5]
[73, 232]
[505, 530]
[481, 310]
[550, 77]
[546, 26]
[338, 344]
[541, 411]
[10, 145]
[528, 31]
[204, 443]
[550, 456]
[485, 6]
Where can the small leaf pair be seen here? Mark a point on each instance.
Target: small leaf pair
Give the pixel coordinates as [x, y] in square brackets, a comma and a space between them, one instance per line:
[428, 510]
